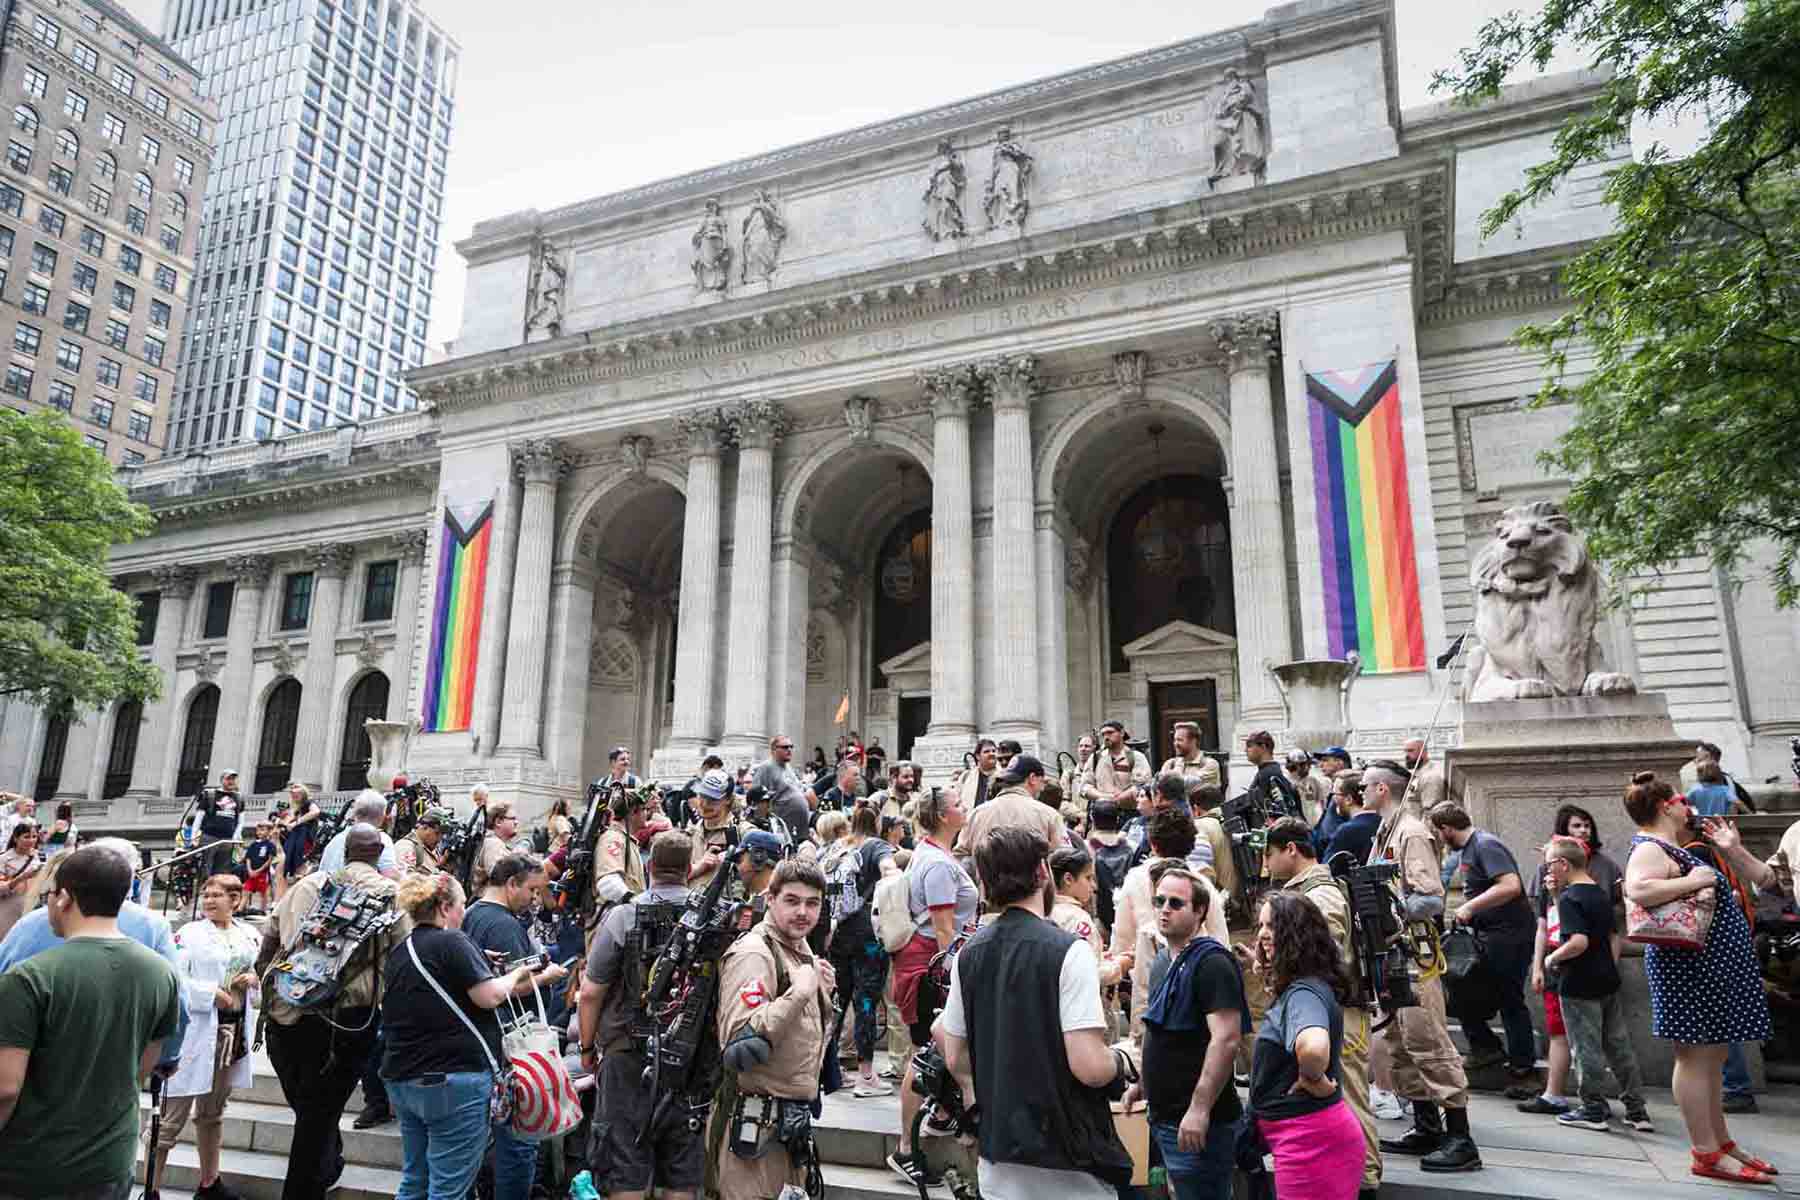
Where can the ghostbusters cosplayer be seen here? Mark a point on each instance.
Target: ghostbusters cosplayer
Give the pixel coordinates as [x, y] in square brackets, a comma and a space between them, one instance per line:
[717, 831]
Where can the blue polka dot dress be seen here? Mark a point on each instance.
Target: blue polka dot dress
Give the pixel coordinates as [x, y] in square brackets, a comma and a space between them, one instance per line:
[1711, 996]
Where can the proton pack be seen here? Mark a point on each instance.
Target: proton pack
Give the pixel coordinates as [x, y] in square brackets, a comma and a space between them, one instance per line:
[308, 973]
[1385, 947]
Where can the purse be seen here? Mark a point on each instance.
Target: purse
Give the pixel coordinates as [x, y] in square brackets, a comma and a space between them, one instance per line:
[1679, 924]
[500, 1098]
[545, 1104]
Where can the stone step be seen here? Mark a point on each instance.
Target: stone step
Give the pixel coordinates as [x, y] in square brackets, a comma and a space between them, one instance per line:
[269, 1129]
[259, 1176]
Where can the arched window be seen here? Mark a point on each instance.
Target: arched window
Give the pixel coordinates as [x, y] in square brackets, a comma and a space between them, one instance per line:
[50, 763]
[123, 755]
[106, 167]
[67, 144]
[368, 702]
[197, 741]
[275, 756]
[177, 207]
[902, 589]
[143, 187]
[1168, 557]
[25, 120]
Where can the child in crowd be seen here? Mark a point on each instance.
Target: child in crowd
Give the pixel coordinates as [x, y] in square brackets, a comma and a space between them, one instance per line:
[262, 861]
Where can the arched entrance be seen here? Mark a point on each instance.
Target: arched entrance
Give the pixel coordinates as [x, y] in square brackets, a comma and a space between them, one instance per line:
[368, 702]
[197, 740]
[50, 763]
[122, 754]
[275, 749]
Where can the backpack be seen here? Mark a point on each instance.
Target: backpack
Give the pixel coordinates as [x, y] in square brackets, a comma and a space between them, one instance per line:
[309, 972]
[1111, 865]
[893, 911]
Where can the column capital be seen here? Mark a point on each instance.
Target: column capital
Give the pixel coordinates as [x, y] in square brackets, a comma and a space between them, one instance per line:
[701, 431]
[331, 560]
[253, 569]
[949, 390]
[1011, 380]
[1246, 340]
[539, 460]
[757, 424]
[174, 581]
[412, 544]
[634, 454]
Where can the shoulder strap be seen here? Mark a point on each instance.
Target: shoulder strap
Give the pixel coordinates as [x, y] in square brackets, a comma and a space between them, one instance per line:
[452, 1005]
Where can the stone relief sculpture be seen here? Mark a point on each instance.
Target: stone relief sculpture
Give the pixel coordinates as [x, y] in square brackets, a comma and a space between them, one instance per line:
[712, 251]
[1240, 137]
[1537, 599]
[634, 453]
[763, 232]
[1007, 197]
[544, 307]
[859, 415]
[944, 195]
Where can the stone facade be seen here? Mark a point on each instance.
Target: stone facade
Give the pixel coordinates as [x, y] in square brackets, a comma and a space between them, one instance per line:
[702, 534]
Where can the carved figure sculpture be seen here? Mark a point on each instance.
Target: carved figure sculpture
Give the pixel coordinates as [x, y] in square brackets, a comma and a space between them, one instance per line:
[1537, 598]
[763, 232]
[943, 196]
[1240, 139]
[712, 251]
[544, 310]
[1007, 199]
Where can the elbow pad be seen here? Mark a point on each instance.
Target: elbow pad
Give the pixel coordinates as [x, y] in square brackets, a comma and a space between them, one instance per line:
[1420, 907]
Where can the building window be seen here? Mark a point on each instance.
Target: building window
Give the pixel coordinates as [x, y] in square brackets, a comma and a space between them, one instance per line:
[165, 277]
[189, 122]
[6, 242]
[46, 31]
[85, 56]
[184, 171]
[150, 148]
[107, 373]
[35, 299]
[123, 80]
[143, 188]
[25, 120]
[132, 458]
[62, 394]
[148, 605]
[27, 338]
[68, 145]
[296, 600]
[96, 444]
[43, 259]
[275, 753]
[12, 200]
[99, 200]
[171, 238]
[218, 609]
[75, 105]
[112, 128]
[76, 317]
[368, 702]
[106, 167]
[61, 180]
[146, 388]
[197, 738]
[158, 102]
[159, 315]
[36, 82]
[378, 591]
[100, 412]
[84, 279]
[123, 753]
[124, 296]
[18, 380]
[131, 260]
[118, 334]
[153, 351]
[137, 425]
[136, 219]
[68, 354]
[18, 156]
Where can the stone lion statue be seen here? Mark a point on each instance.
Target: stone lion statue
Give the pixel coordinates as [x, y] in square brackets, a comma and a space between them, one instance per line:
[1536, 601]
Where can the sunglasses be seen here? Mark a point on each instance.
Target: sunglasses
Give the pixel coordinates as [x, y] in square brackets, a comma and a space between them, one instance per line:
[1174, 903]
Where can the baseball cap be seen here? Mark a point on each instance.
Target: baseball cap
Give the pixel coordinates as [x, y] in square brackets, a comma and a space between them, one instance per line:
[764, 845]
[1337, 752]
[714, 785]
[438, 818]
[1021, 768]
[228, 773]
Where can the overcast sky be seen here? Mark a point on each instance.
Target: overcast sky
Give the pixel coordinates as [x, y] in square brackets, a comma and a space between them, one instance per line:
[561, 100]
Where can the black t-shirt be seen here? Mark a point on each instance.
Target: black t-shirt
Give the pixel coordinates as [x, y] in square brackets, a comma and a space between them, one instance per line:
[1306, 1004]
[1485, 859]
[423, 1036]
[1172, 1060]
[219, 813]
[258, 853]
[1585, 908]
[494, 927]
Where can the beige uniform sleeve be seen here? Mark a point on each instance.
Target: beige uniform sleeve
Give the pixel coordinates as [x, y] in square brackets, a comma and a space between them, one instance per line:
[1419, 864]
[1140, 769]
[609, 855]
[406, 855]
[1085, 786]
[747, 993]
[1125, 919]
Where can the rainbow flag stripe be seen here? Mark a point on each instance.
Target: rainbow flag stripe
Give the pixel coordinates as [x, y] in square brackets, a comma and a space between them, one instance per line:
[456, 623]
[1371, 576]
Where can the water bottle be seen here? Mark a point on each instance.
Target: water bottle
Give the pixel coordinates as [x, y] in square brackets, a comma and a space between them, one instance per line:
[582, 1187]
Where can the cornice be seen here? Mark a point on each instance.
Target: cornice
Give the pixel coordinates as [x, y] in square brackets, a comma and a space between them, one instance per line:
[1499, 286]
[20, 39]
[1407, 194]
[387, 481]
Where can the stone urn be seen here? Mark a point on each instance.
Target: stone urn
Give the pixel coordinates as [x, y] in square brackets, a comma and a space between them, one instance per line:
[1316, 693]
[387, 751]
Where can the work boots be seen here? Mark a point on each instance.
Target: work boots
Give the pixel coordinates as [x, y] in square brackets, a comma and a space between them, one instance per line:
[1457, 1151]
[1426, 1134]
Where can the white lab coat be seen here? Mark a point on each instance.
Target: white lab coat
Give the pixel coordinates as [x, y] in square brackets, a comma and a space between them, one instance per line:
[206, 957]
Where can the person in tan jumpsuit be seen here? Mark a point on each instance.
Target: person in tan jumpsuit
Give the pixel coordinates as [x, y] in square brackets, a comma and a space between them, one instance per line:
[774, 1013]
[1427, 1069]
[716, 831]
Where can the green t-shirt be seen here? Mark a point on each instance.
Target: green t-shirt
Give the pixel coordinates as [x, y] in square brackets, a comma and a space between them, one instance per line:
[85, 1010]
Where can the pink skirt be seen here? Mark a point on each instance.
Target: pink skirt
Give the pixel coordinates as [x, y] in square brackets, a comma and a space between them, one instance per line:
[1318, 1156]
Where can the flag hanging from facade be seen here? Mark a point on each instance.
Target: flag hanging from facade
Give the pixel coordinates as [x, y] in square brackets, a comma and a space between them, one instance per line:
[843, 710]
[1371, 577]
[456, 622]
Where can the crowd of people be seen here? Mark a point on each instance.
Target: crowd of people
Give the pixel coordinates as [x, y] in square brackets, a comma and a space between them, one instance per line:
[1013, 954]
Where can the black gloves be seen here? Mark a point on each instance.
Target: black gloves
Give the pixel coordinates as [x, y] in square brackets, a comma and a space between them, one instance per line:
[747, 1050]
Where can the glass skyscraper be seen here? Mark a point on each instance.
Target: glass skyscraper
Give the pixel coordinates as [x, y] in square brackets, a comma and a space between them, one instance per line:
[319, 231]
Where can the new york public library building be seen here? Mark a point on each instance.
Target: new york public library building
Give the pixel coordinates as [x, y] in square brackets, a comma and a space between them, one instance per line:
[1091, 397]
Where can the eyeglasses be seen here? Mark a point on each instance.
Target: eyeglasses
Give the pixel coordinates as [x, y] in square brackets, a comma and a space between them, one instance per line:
[1174, 903]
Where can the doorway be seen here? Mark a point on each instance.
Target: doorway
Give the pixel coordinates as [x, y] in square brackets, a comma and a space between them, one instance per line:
[915, 719]
[1194, 700]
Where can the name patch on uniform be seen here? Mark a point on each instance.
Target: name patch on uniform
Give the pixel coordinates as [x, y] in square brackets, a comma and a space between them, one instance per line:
[754, 994]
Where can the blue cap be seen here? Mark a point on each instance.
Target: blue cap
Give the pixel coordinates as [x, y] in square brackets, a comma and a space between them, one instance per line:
[763, 845]
[1335, 752]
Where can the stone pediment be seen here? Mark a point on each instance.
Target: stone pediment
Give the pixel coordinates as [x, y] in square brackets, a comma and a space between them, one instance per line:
[910, 670]
[1181, 645]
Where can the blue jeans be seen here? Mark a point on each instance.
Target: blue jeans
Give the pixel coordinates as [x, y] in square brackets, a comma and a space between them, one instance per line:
[515, 1165]
[443, 1133]
[1203, 1176]
[1737, 1071]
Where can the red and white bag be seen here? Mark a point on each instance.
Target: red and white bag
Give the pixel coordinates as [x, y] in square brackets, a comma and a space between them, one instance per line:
[545, 1104]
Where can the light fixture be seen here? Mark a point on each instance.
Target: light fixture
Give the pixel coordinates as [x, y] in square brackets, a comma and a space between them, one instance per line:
[898, 579]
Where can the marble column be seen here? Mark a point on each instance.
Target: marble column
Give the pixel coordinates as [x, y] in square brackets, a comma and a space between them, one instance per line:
[757, 426]
[792, 612]
[1053, 630]
[950, 391]
[541, 464]
[1258, 544]
[158, 746]
[698, 608]
[230, 747]
[402, 697]
[318, 673]
[1011, 383]
[496, 605]
[572, 624]
[83, 760]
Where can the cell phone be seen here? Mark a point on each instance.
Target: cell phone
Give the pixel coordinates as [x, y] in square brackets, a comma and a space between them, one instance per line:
[568, 964]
